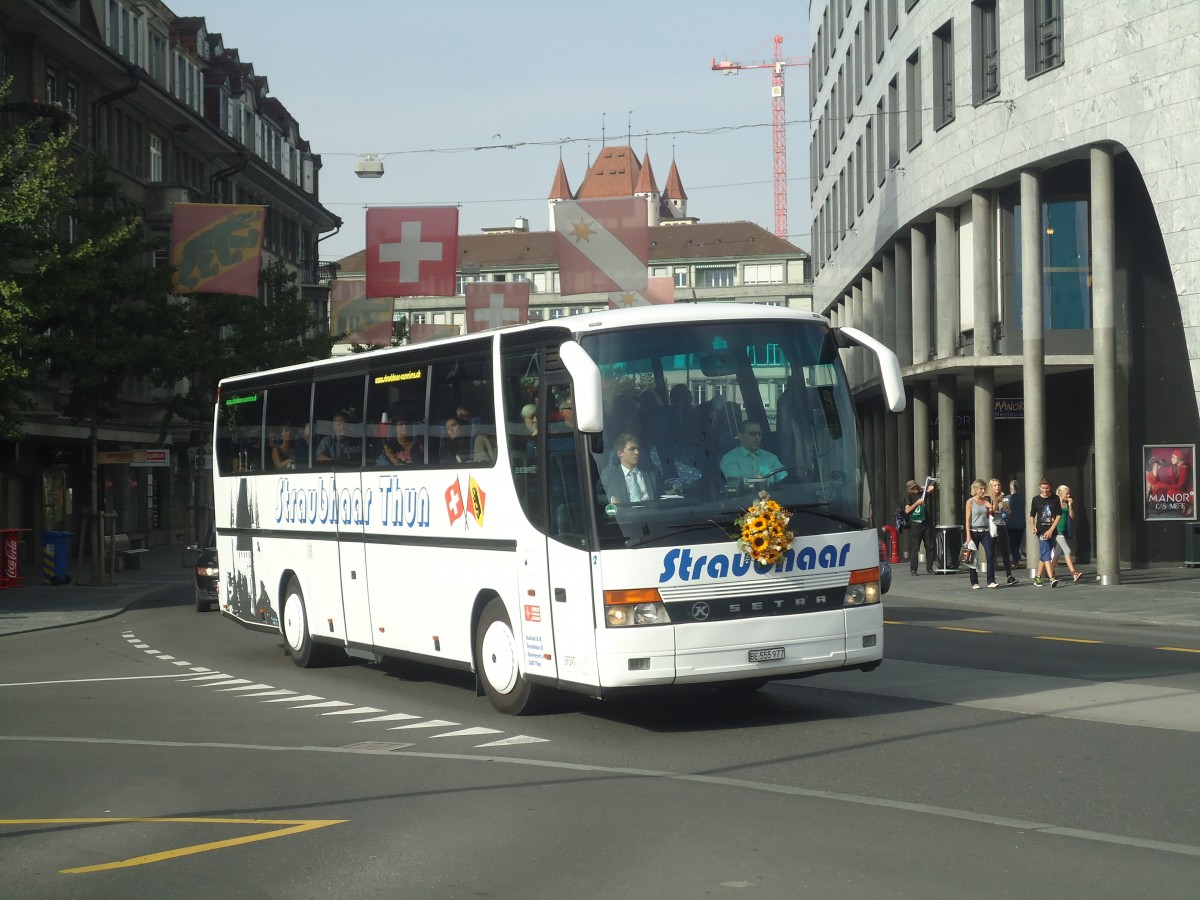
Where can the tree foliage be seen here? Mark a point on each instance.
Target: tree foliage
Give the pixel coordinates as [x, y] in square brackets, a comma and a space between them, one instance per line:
[218, 335]
[35, 192]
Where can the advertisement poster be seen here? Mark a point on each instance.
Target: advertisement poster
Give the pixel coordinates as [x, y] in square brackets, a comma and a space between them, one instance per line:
[1169, 488]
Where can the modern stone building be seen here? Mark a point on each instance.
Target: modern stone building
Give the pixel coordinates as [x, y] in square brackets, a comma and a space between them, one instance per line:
[1007, 192]
[180, 118]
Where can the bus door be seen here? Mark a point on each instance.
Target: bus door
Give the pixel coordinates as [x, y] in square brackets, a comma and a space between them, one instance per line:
[569, 565]
[352, 562]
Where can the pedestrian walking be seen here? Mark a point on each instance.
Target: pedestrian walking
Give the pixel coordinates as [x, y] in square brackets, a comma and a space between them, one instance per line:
[1064, 532]
[1001, 513]
[1044, 513]
[1016, 521]
[920, 525]
[978, 514]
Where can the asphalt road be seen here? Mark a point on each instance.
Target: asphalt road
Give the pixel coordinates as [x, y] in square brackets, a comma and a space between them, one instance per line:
[165, 752]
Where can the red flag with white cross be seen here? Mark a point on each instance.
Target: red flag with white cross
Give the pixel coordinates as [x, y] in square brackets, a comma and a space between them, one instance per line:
[603, 245]
[412, 251]
[496, 304]
[455, 507]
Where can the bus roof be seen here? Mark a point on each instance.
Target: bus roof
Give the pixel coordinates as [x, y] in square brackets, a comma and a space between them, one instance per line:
[583, 323]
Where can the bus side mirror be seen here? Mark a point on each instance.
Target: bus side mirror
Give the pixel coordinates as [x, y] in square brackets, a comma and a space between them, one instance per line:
[585, 387]
[889, 366]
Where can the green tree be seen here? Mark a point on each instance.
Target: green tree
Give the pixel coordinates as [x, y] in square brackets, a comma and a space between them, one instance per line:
[218, 335]
[103, 317]
[35, 190]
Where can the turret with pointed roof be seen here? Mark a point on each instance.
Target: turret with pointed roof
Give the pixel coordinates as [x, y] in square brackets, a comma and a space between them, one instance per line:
[648, 188]
[674, 197]
[559, 191]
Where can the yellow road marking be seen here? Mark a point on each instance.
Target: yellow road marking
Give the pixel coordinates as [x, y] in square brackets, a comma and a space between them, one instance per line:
[1065, 640]
[1179, 649]
[294, 826]
[967, 630]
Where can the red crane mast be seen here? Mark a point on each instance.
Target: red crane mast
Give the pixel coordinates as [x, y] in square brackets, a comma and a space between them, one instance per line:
[778, 121]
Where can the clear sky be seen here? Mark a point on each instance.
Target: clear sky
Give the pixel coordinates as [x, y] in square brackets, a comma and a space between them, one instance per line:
[425, 82]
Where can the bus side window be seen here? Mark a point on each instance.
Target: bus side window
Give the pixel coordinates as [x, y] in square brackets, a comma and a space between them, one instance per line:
[337, 423]
[239, 432]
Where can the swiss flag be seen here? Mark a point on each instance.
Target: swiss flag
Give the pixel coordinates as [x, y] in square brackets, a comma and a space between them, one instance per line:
[603, 245]
[455, 507]
[661, 289]
[412, 251]
[495, 304]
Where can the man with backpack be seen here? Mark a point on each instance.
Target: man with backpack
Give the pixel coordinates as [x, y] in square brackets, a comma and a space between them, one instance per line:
[920, 524]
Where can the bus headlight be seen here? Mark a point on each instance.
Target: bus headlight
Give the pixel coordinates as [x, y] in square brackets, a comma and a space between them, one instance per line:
[863, 587]
[634, 607]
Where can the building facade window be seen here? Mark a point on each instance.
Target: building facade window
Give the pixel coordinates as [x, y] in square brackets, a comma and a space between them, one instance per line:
[1043, 36]
[51, 94]
[156, 158]
[762, 273]
[893, 129]
[716, 276]
[1066, 262]
[869, 160]
[943, 76]
[985, 66]
[912, 90]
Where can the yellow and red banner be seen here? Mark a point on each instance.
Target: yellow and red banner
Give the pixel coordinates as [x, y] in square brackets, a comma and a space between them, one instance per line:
[216, 248]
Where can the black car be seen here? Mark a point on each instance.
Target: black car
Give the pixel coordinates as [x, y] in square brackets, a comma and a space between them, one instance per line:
[207, 572]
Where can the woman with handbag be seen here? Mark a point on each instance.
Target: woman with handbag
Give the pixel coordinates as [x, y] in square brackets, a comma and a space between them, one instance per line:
[1001, 514]
[978, 515]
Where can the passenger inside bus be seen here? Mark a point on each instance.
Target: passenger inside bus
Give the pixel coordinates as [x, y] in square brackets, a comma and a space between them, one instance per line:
[339, 446]
[283, 454]
[400, 449]
[626, 481]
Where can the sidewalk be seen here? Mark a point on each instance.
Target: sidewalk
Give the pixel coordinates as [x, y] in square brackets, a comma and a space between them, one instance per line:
[35, 606]
[1157, 596]
[1164, 595]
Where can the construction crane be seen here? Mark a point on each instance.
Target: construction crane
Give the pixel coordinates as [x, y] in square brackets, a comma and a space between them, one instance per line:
[779, 121]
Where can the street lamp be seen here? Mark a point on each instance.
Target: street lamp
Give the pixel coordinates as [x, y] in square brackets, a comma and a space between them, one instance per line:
[369, 166]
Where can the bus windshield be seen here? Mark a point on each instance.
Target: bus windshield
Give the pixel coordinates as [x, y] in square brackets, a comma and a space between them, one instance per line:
[702, 417]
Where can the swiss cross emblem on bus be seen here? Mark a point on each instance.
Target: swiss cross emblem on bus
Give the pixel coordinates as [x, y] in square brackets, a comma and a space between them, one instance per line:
[457, 506]
[412, 251]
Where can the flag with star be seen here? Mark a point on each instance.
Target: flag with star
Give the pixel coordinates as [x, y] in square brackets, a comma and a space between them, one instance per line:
[496, 304]
[603, 245]
[412, 251]
[661, 289]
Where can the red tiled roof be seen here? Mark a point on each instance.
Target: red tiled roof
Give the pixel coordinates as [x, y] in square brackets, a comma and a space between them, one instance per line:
[614, 174]
[561, 189]
[674, 189]
[645, 183]
[704, 240]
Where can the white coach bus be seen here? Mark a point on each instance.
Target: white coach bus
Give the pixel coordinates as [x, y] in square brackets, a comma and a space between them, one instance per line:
[463, 503]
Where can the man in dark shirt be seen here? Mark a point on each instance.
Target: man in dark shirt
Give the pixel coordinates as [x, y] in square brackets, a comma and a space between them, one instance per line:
[920, 526]
[1044, 513]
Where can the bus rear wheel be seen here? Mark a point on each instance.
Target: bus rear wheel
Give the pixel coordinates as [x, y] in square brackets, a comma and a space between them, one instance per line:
[294, 623]
[497, 662]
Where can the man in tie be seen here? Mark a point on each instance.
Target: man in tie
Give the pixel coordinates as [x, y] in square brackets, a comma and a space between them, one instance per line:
[749, 460]
[625, 481]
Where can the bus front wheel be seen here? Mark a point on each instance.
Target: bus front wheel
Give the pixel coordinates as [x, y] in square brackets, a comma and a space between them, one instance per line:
[294, 621]
[497, 660]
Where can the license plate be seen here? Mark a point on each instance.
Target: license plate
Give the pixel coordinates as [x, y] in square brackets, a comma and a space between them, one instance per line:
[766, 654]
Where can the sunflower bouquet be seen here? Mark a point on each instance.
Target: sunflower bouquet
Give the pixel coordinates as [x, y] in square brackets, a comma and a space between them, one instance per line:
[762, 530]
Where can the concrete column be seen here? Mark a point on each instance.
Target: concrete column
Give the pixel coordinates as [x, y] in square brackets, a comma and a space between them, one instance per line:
[867, 286]
[882, 489]
[951, 500]
[945, 252]
[922, 459]
[880, 301]
[903, 313]
[985, 424]
[905, 467]
[1033, 347]
[891, 473]
[983, 265]
[1104, 372]
[856, 320]
[921, 305]
[983, 271]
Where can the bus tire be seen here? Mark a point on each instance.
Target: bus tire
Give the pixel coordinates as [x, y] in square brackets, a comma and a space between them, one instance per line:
[293, 622]
[497, 662]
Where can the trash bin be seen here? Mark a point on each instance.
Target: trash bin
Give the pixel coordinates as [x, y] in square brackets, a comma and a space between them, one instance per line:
[1193, 545]
[947, 544]
[56, 551]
